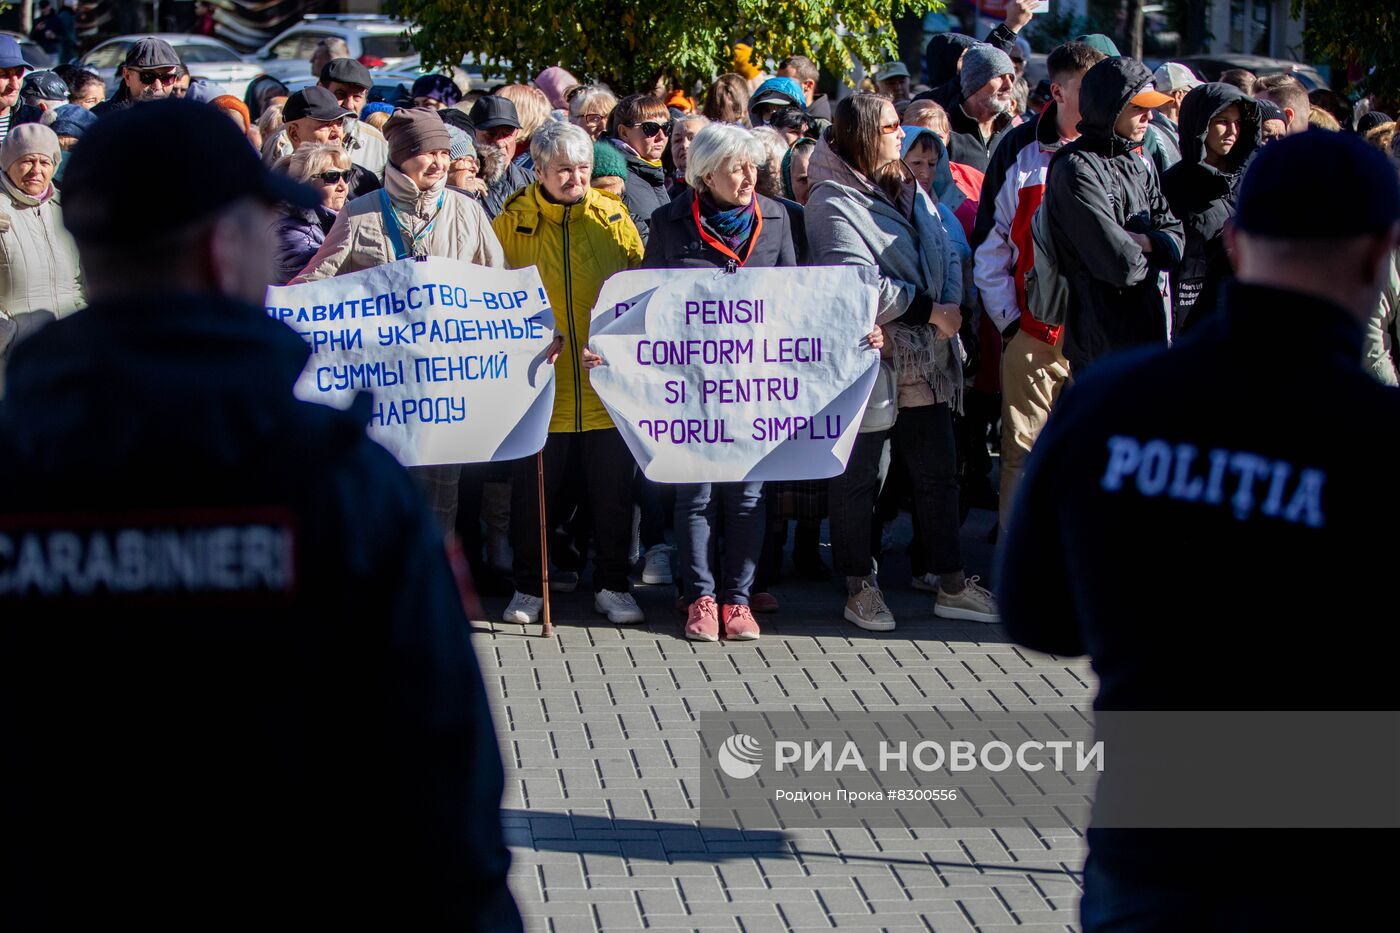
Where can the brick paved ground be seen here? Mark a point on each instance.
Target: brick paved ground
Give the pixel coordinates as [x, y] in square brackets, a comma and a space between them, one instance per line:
[598, 731]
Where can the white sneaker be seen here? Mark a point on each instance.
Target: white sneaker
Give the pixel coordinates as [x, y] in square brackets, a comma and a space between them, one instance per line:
[618, 607]
[974, 604]
[524, 609]
[867, 609]
[928, 583]
[657, 568]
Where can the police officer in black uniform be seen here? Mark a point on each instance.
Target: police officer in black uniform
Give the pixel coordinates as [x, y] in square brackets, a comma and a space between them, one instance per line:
[236, 684]
[1209, 524]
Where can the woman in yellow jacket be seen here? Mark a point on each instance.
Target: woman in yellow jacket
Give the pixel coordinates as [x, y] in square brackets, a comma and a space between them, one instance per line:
[576, 236]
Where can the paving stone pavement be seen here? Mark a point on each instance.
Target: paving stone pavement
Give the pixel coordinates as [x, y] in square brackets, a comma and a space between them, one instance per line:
[598, 729]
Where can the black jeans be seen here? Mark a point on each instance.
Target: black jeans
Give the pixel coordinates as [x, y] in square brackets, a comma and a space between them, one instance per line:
[923, 441]
[608, 468]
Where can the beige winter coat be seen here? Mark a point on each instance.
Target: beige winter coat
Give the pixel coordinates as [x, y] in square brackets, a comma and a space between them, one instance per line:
[359, 240]
[38, 259]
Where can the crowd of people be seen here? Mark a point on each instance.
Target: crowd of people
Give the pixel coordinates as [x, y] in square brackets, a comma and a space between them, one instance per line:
[1018, 235]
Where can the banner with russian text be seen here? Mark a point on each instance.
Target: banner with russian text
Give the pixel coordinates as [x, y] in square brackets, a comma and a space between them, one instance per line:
[756, 374]
[452, 353]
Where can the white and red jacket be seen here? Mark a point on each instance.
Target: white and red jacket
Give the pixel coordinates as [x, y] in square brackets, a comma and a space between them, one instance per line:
[1001, 239]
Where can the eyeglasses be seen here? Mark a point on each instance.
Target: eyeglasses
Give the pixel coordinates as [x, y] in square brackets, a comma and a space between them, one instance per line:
[331, 178]
[151, 77]
[888, 128]
[651, 128]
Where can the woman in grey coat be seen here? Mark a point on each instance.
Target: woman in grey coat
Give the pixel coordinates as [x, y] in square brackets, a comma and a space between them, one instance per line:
[865, 209]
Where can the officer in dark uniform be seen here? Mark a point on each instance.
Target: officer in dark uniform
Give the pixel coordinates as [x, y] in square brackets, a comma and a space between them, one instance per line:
[236, 684]
[1209, 524]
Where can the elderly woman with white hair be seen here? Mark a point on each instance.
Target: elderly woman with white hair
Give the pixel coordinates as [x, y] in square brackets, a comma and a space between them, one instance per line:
[299, 233]
[719, 220]
[39, 275]
[576, 236]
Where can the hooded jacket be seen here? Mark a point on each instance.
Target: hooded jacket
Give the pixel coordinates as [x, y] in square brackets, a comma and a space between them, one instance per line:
[257, 621]
[1004, 251]
[575, 247]
[644, 188]
[1101, 188]
[515, 177]
[1203, 197]
[359, 240]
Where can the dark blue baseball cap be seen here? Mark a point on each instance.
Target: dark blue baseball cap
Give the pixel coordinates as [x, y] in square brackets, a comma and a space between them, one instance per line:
[104, 201]
[1363, 192]
[9, 54]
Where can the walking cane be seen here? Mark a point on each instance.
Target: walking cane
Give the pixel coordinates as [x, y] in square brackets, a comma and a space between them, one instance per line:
[547, 629]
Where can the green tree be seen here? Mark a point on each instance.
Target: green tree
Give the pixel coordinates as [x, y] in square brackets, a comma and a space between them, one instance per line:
[631, 45]
[1357, 36]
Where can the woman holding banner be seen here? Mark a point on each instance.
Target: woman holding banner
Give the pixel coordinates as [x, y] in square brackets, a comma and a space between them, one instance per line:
[414, 214]
[577, 236]
[866, 209]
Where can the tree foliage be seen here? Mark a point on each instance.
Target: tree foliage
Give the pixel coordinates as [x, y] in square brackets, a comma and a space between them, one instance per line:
[631, 45]
[1361, 38]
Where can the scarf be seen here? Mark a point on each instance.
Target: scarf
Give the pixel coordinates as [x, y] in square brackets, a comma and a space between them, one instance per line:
[414, 209]
[732, 226]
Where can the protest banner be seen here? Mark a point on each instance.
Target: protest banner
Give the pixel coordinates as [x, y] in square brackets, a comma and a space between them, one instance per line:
[754, 374]
[452, 353]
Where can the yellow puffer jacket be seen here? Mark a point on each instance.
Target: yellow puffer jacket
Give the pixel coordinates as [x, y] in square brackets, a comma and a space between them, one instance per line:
[575, 247]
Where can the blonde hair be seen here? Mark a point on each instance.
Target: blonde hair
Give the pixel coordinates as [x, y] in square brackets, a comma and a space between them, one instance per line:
[531, 106]
[1323, 120]
[312, 159]
[377, 119]
[271, 121]
[928, 114]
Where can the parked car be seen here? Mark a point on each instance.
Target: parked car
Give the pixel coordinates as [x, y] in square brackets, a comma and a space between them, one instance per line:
[377, 41]
[1209, 67]
[31, 51]
[203, 56]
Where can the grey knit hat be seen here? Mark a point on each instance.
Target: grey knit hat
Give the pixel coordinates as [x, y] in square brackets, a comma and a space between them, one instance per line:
[982, 63]
[462, 146]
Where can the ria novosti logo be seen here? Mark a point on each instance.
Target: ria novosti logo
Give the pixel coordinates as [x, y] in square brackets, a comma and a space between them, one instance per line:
[740, 756]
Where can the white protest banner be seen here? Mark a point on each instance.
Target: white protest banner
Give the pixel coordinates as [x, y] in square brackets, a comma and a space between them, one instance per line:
[756, 374]
[453, 353]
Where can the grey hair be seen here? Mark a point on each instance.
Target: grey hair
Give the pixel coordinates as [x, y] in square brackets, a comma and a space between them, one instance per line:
[553, 140]
[686, 119]
[593, 97]
[312, 159]
[715, 147]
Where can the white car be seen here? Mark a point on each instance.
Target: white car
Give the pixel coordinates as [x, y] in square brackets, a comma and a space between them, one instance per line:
[203, 56]
[378, 41]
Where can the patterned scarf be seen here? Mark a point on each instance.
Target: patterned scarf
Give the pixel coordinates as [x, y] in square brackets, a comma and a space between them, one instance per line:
[732, 226]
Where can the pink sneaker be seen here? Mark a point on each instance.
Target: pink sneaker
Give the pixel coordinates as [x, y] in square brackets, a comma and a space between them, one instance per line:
[739, 624]
[702, 621]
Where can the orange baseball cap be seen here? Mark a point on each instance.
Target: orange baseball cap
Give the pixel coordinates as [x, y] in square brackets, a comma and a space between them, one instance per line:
[1148, 96]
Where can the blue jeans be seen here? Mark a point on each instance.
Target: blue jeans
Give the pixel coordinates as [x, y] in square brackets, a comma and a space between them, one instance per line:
[705, 512]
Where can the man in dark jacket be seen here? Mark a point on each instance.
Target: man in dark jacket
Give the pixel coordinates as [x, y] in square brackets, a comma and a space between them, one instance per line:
[148, 72]
[12, 69]
[497, 126]
[1204, 452]
[1112, 229]
[236, 681]
[1220, 129]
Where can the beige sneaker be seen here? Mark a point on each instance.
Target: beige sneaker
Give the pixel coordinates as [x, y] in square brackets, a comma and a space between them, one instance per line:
[867, 609]
[974, 604]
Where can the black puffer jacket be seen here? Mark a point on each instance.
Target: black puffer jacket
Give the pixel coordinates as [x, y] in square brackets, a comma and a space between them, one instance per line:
[1100, 190]
[644, 191]
[1203, 197]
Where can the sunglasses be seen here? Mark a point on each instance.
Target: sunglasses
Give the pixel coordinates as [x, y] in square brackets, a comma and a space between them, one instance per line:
[888, 128]
[651, 128]
[331, 178]
[151, 77]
